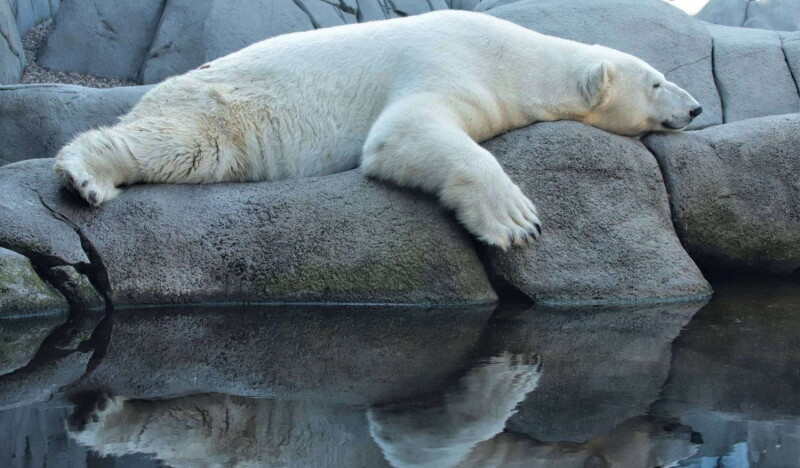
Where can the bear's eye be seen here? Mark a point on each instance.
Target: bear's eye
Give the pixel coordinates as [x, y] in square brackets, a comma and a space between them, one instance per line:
[657, 85]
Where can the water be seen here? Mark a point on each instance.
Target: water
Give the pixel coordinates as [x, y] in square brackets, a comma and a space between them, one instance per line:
[673, 385]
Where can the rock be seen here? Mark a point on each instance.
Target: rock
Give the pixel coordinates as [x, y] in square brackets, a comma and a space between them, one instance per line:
[353, 355]
[726, 12]
[20, 338]
[102, 37]
[29, 13]
[192, 32]
[735, 193]
[37, 120]
[752, 73]
[22, 292]
[40, 382]
[658, 33]
[592, 356]
[607, 234]
[12, 56]
[791, 49]
[340, 238]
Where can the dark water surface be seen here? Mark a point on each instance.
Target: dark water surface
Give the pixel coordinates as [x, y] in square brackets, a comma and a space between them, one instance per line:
[688, 385]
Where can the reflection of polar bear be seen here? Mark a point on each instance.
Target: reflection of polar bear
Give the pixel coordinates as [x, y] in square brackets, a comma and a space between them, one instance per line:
[407, 98]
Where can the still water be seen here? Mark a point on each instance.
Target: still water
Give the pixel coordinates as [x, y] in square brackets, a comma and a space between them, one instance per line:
[688, 385]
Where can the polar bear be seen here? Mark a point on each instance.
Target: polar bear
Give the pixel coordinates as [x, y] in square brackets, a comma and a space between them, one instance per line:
[407, 99]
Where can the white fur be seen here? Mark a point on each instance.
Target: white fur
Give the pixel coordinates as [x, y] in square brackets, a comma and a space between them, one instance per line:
[407, 98]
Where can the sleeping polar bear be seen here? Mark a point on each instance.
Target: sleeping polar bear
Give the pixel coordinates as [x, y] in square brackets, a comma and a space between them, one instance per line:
[406, 98]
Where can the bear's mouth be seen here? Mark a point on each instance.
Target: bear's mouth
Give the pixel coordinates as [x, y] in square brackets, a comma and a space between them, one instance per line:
[671, 126]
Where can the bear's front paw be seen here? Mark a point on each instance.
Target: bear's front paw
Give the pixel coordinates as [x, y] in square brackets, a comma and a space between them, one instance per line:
[91, 413]
[75, 176]
[497, 213]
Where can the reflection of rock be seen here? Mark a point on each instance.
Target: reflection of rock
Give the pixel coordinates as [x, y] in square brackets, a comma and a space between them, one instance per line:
[602, 365]
[20, 339]
[42, 381]
[345, 354]
[733, 375]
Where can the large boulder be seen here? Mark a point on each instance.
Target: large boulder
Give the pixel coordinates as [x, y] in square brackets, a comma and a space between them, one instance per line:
[753, 76]
[192, 32]
[658, 33]
[29, 13]
[12, 56]
[22, 291]
[102, 37]
[734, 192]
[782, 15]
[791, 49]
[37, 120]
[340, 238]
[607, 230]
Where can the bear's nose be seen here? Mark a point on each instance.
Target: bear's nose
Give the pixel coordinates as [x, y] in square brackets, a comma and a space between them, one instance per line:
[696, 111]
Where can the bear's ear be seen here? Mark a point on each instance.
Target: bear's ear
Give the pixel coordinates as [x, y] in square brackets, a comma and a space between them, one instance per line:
[596, 461]
[594, 84]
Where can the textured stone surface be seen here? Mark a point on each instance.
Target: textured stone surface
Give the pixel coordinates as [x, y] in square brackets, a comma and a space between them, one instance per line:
[22, 292]
[735, 192]
[791, 49]
[752, 74]
[658, 33]
[193, 32]
[355, 355]
[12, 56]
[781, 15]
[37, 120]
[29, 13]
[102, 37]
[607, 234]
[40, 383]
[20, 338]
[599, 368]
[340, 238]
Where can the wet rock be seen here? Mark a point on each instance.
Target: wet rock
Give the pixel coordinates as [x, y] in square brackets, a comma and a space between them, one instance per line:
[29, 13]
[734, 193]
[599, 369]
[12, 56]
[658, 33]
[607, 234]
[102, 37]
[37, 120]
[20, 339]
[752, 74]
[22, 291]
[340, 238]
[192, 32]
[25, 387]
[355, 355]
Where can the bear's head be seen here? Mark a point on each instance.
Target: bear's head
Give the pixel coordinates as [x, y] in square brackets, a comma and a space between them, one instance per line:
[627, 96]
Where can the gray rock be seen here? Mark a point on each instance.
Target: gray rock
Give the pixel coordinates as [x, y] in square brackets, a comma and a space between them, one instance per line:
[791, 49]
[752, 73]
[607, 231]
[725, 12]
[12, 56]
[353, 355]
[734, 191]
[22, 291]
[782, 15]
[37, 120]
[599, 369]
[658, 33]
[40, 382]
[192, 32]
[20, 338]
[102, 37]
[29, 13]
[340, 238]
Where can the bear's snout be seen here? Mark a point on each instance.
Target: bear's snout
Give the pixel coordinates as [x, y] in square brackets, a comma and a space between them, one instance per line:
[696, 111]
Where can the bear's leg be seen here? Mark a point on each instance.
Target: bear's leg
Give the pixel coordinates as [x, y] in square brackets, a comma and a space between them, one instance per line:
[418, 142]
